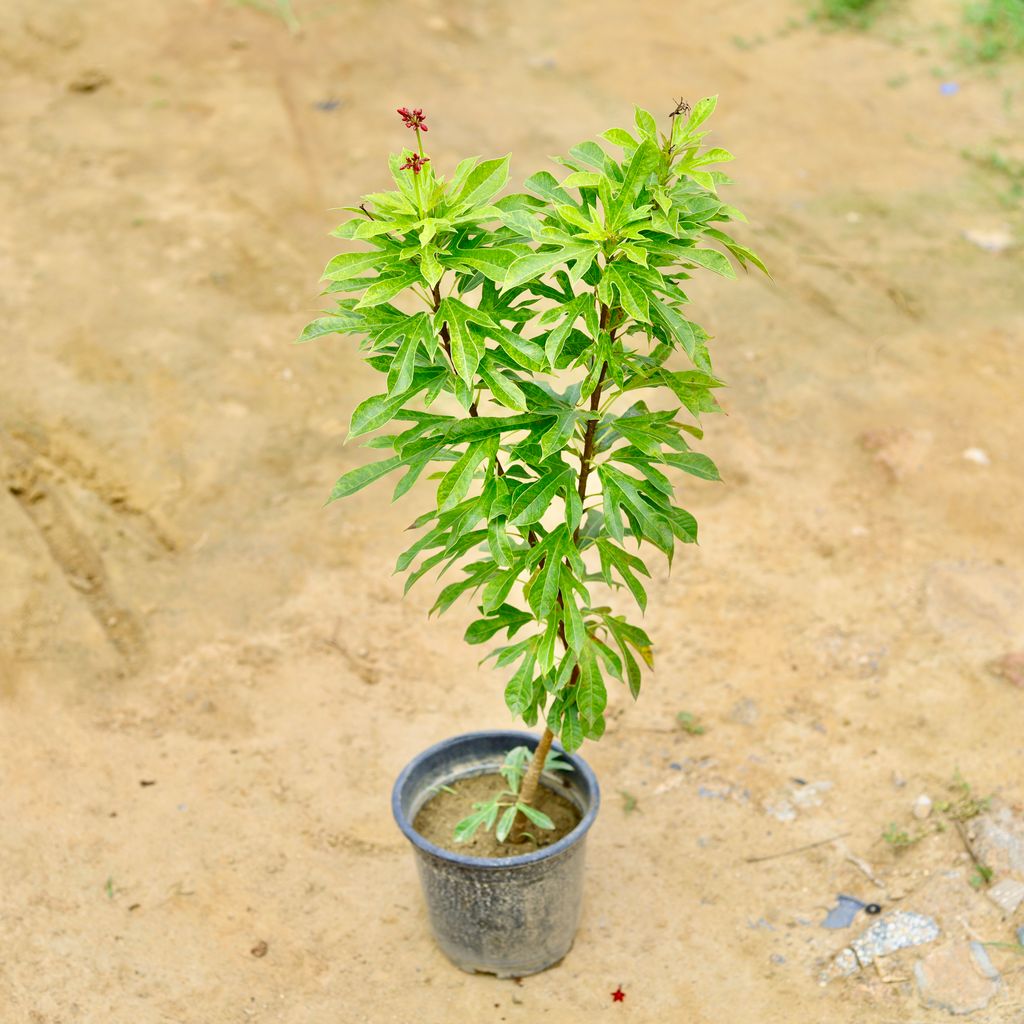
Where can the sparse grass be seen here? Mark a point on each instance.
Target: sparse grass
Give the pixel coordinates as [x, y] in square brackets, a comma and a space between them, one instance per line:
[982, 876]
[898, 838]
[964, 805]
[853, 13]
[690, 724]
[1005, 172]
[629, 802]
[282, 9]
[996, 30]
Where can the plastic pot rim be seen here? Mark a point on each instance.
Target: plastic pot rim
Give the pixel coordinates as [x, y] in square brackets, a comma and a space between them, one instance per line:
[518, 738]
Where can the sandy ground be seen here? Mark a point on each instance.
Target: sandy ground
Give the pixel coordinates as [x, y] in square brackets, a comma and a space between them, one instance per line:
[208, 681]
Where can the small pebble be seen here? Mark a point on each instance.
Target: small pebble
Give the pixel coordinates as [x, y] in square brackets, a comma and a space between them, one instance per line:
[949, 88]
[978, 456]
[994, 240]
[922, 807]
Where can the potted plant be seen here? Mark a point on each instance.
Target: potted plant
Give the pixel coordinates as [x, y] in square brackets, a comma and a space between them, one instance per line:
[524, 344]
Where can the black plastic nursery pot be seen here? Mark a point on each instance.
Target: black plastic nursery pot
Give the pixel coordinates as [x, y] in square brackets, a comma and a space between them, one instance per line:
[509, 916]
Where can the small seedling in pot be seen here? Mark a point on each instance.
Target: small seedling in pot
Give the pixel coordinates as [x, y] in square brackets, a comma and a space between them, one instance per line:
[507, 803]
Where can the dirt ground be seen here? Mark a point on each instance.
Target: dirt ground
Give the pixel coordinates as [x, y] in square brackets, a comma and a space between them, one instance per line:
[208, 681]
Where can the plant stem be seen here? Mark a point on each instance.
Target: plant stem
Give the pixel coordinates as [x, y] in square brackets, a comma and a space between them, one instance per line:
[528, 790]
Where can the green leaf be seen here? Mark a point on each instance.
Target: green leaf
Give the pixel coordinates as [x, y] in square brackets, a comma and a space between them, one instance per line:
[329, 325]
[483, 183]
[641, 165]
[525, 352]
[582, 179]
[575, 628]
[620, 137]
[591, 695]
[544, 184]
[556, 438]
[374, 412]
[519, 691]
[645, 123]
[632, 294]
[503, 388]
[467, 348]
[700, 113]
[505, 824]
[492, 261]
[357, 479]
[485, 816]
[613, 557]
[506, 617]
[538, 263]
[456, 482]
[349, 264]
[532, 501]
[539, 818]
[589, 153]
[404, 364]
[695, 464]
[498, 542]
[499, 587]
[572, 731]
[385, 288]
[710, 259]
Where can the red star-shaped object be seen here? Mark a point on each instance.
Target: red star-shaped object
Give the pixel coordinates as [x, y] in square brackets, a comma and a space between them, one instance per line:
[618, 995]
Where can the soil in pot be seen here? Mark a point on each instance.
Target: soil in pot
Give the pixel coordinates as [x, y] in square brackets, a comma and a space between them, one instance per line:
[438, 817]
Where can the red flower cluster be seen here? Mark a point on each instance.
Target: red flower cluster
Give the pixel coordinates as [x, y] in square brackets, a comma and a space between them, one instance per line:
[415, 163]
[413, 118]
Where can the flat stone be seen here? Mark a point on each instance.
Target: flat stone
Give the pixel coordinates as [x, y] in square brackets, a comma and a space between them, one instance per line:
[999, 842]
[995, 240]
[1007, 894]
[900, 929]
[958, 978]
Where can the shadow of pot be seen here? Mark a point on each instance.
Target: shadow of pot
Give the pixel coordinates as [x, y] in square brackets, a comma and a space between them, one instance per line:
[509, 916]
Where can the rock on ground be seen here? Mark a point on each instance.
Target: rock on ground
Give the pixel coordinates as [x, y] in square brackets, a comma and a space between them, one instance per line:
[958, 977]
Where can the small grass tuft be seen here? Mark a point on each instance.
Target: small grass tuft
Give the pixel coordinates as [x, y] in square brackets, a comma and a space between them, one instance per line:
[898, 838]
[852, 13]
[996, 30]
[690, 724]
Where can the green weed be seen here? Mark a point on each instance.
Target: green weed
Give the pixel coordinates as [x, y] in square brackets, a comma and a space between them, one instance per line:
[855, 13]
[1006, 173]
[898, 838]
[690, 724]
[996, 30]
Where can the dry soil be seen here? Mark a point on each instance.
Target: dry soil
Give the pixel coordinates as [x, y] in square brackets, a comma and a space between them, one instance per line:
[208, 681]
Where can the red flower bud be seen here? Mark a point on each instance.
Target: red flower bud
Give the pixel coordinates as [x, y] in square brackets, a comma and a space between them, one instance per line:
[415, 163]
[413, 118]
